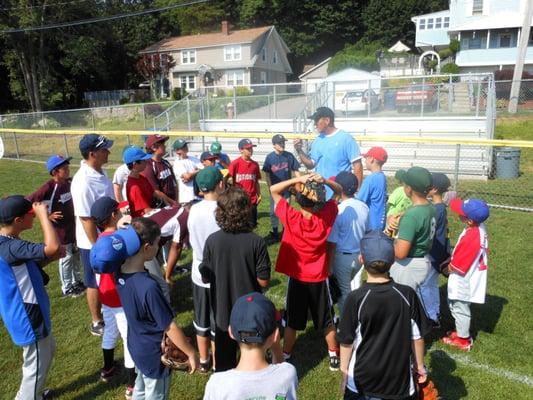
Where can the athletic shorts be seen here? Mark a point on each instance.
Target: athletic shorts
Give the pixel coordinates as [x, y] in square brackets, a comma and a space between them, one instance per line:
[204, 321]
[89, 277]
[304, 297]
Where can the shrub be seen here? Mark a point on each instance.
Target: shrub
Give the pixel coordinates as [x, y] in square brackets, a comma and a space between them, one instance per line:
[239, 91]
[123, 100]
[445, 53]
[454, 45]
[450, 68]
[153, 109]
[177, 93]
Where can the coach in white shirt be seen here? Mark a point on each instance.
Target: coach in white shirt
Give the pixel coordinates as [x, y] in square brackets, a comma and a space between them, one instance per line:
[89, 184]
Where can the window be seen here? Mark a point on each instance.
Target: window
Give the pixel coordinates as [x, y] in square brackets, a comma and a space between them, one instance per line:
[504, 40]
[438, 23]
[234, 78]
[263, 78]
[188, 82]
[477, 7]
[232, 53]
[430, 23]
[530, 43]
[422, 24]
[188, 56]
[474, 43]
[264, 54]
[275, 57]
[446, 23]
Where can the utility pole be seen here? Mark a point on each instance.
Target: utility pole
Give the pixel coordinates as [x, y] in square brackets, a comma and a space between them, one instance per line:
[519, 67]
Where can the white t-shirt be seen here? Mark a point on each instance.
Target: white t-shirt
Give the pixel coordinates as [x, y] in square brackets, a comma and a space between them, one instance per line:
[201, 224]
[121, 177]
[277, 381]
[87, 186]
[182, 166]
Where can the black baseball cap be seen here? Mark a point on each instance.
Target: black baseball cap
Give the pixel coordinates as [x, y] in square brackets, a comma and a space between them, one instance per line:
[253, 318]
[102, 209]
[322, 112]
[92, 142]
[12, 207]
[278, 139]
[348, 182]
[440, 181]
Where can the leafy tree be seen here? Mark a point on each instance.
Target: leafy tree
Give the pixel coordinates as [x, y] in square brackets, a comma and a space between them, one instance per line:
[362, 55]
[155, 67]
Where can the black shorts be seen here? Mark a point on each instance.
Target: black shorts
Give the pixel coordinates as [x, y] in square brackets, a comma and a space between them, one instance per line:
[204, 321]
[308, 296]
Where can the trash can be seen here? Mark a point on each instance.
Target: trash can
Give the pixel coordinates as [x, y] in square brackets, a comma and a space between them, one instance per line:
[389, 100]
[507, 162]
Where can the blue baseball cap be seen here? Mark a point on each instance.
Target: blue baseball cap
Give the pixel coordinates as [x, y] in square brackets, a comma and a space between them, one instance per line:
[133, 154]
[474, 209]
[110, 251]
[246, 144]
[92, 141]
[253, 318]
[376, 246]
[12, 207]
[56, 161]
[102, 209]
[348, 181]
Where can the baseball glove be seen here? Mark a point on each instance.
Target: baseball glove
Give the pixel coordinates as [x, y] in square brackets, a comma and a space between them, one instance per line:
[312, 190]
[172, 356]
[427, 391]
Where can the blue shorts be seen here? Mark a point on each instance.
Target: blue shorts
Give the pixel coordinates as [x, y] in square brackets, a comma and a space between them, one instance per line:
[89, 278]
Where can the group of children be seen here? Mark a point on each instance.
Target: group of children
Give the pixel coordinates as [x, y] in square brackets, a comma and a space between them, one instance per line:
[324, 241]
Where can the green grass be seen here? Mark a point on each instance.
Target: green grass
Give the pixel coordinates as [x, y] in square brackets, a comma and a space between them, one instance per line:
[504, 340]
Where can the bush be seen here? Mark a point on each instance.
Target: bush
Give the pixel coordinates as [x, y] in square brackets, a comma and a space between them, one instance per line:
[153, 109]
[445, 53]
[450, 68]
[361, 55]
[454, 45]
[177, 93]
[123, 100]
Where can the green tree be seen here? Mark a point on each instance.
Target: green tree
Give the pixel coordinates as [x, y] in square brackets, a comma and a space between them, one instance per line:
[362, 55]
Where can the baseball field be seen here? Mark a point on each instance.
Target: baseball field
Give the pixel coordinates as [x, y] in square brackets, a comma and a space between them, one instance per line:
[498, 366]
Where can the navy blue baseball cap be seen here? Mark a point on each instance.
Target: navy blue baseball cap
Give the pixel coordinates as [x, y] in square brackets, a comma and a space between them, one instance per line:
[56, 161]
[92, 142]
[440, 181]
[102, 209]
[322, 112]
[376, 246]
[474, 209]
[12, 207]
[246, 144]
[110, 251]
[278, 139]
[348, 181]
[132, 154]
[207, 155]
[253, 318]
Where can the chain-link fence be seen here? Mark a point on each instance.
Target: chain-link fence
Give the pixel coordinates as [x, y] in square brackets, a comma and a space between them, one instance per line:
[525, 96]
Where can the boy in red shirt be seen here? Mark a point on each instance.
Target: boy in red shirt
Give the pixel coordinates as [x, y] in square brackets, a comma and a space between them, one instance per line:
[139, 191]
[106, 214]
[245, 173]
[303, 258]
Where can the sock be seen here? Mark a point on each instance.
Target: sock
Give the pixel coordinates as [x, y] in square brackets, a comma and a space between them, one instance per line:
[333, 353]
[202, 361]
[109, 358]
[286, 356]
[275, 231]
[131, 376]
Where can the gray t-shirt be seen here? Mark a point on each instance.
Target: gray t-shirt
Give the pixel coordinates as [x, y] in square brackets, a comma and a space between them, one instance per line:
[276, 382]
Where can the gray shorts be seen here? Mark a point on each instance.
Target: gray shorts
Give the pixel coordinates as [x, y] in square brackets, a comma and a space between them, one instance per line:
[410, 271]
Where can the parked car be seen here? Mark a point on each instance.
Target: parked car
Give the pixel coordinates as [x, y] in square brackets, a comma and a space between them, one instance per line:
[358, 101]
[414, 96]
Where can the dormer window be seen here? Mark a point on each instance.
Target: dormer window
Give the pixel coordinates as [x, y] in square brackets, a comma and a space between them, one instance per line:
[188, 56]
[232, 53]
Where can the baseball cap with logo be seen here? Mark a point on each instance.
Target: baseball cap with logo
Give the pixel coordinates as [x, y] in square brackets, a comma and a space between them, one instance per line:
[246, 144]
[133, 154]
[208, 178]
[278, 139]
[206, 155]
[253, 318]
[153, 139]
[179, 144]
[348, 181]
[92, 142]
[379, 153]
[56, 161]
[440, 181]
[14, 206]
[376, 246]
[110, 251]
[215, 148]
[102, 209]
[419, 179]
[474, 209]
[322, 112]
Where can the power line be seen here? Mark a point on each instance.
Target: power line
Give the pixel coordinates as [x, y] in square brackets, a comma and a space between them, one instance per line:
[102, 19]
[43, 5]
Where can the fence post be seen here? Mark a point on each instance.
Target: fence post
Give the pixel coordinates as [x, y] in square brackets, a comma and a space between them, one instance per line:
[188, 115]
[92, 118]
[275, 103]
[423, 90]
[144, 117]
[477, 98]
[369, 98]
[16, 144]
[438, 97]
[234, 103]
[168, 121]
[450, 95]
[65, 141]
[456, 171]
[128, 140]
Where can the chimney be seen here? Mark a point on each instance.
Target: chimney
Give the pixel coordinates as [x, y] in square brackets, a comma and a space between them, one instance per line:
[225, 27]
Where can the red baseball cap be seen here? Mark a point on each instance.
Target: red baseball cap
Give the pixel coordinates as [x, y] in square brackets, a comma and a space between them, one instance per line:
[153, 139]
[379, 153]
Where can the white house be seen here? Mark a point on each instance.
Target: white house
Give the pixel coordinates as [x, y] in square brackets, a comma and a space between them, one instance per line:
[314, 75]
[488, 32]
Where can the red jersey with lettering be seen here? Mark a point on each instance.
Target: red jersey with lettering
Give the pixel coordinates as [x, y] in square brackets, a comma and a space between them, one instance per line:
[246, 174]
[140, 194]
[107, 288]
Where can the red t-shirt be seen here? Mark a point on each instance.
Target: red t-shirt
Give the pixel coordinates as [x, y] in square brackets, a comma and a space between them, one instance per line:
[246, 174]
[107, 288]
[140, 193]
[302, 253]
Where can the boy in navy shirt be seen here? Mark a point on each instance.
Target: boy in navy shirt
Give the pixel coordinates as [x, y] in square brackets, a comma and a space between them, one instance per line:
[279, 166]
[24, 303]
[148, 313]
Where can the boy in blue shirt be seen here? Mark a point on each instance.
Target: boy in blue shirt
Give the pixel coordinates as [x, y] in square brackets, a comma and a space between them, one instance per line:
[279, 166]
[148, 313]
[373, 191]
[24, 303]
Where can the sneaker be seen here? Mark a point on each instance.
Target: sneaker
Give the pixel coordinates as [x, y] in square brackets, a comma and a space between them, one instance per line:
[334, 363]
[129, 393]
[107, 375]
[47, 394]
[464, 344]
[97, 328]
[79, 288]
[205, 367]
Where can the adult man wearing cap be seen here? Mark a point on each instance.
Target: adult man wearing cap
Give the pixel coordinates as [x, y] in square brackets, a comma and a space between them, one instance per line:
[185, 168]
[159, 172]
[89, 184]
[333, 150]
[56, 194]
[279, 166]
[223, 160]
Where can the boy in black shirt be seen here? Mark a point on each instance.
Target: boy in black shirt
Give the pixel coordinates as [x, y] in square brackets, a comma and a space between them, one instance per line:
[382, 324]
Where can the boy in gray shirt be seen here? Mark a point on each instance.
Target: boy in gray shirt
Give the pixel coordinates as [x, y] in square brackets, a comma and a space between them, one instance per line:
[253, 326]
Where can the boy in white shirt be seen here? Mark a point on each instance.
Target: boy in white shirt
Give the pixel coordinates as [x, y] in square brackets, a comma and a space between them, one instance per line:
[185, 169]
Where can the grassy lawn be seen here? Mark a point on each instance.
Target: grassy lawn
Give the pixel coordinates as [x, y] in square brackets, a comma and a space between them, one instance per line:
[499, 365]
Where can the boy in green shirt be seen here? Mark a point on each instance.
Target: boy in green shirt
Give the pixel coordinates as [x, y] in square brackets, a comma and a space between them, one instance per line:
[398, 201]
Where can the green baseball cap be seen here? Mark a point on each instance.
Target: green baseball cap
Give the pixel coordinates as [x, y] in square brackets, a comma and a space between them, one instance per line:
[215, 148]
[419, 179]
[208, 178]
[179, 144]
